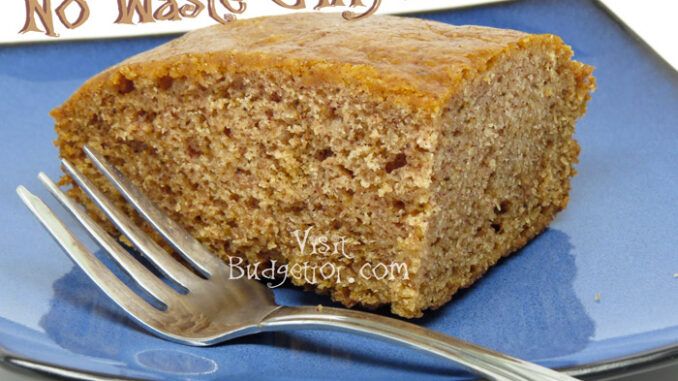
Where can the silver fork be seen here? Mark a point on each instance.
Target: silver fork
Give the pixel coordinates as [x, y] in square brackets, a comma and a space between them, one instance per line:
[219, 306]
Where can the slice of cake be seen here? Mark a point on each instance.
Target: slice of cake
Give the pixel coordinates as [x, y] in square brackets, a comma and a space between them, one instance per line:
[386, 161]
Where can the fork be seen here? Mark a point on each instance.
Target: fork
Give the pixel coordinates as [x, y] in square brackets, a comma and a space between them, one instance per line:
[210, 305]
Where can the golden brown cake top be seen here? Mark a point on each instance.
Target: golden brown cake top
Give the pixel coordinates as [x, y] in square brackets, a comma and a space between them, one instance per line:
[407, 59]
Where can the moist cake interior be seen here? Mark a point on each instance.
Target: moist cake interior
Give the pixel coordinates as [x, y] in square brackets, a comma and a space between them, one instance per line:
[504, 163]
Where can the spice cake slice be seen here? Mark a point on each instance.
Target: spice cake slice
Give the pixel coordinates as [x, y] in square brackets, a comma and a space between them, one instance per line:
[405, 156]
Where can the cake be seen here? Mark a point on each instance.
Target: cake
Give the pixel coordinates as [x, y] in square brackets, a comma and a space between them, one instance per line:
[406, 156]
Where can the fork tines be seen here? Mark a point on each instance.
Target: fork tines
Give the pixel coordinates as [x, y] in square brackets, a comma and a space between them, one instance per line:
[194, 253]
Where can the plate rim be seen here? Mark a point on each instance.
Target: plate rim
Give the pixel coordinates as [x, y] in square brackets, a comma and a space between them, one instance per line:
[603, 369]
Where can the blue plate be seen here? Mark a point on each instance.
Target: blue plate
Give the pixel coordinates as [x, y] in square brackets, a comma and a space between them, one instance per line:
[617, 238]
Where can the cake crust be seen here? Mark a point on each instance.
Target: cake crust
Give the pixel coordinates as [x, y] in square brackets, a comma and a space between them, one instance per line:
[414, 61]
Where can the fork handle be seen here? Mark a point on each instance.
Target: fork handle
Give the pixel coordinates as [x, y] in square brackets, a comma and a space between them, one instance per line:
[482, 361]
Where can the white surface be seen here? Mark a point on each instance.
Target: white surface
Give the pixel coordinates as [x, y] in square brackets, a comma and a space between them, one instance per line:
[101, 21]
[652, 20]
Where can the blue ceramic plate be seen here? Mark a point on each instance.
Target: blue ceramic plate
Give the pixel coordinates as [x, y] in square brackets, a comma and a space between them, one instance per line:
[617, 238]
